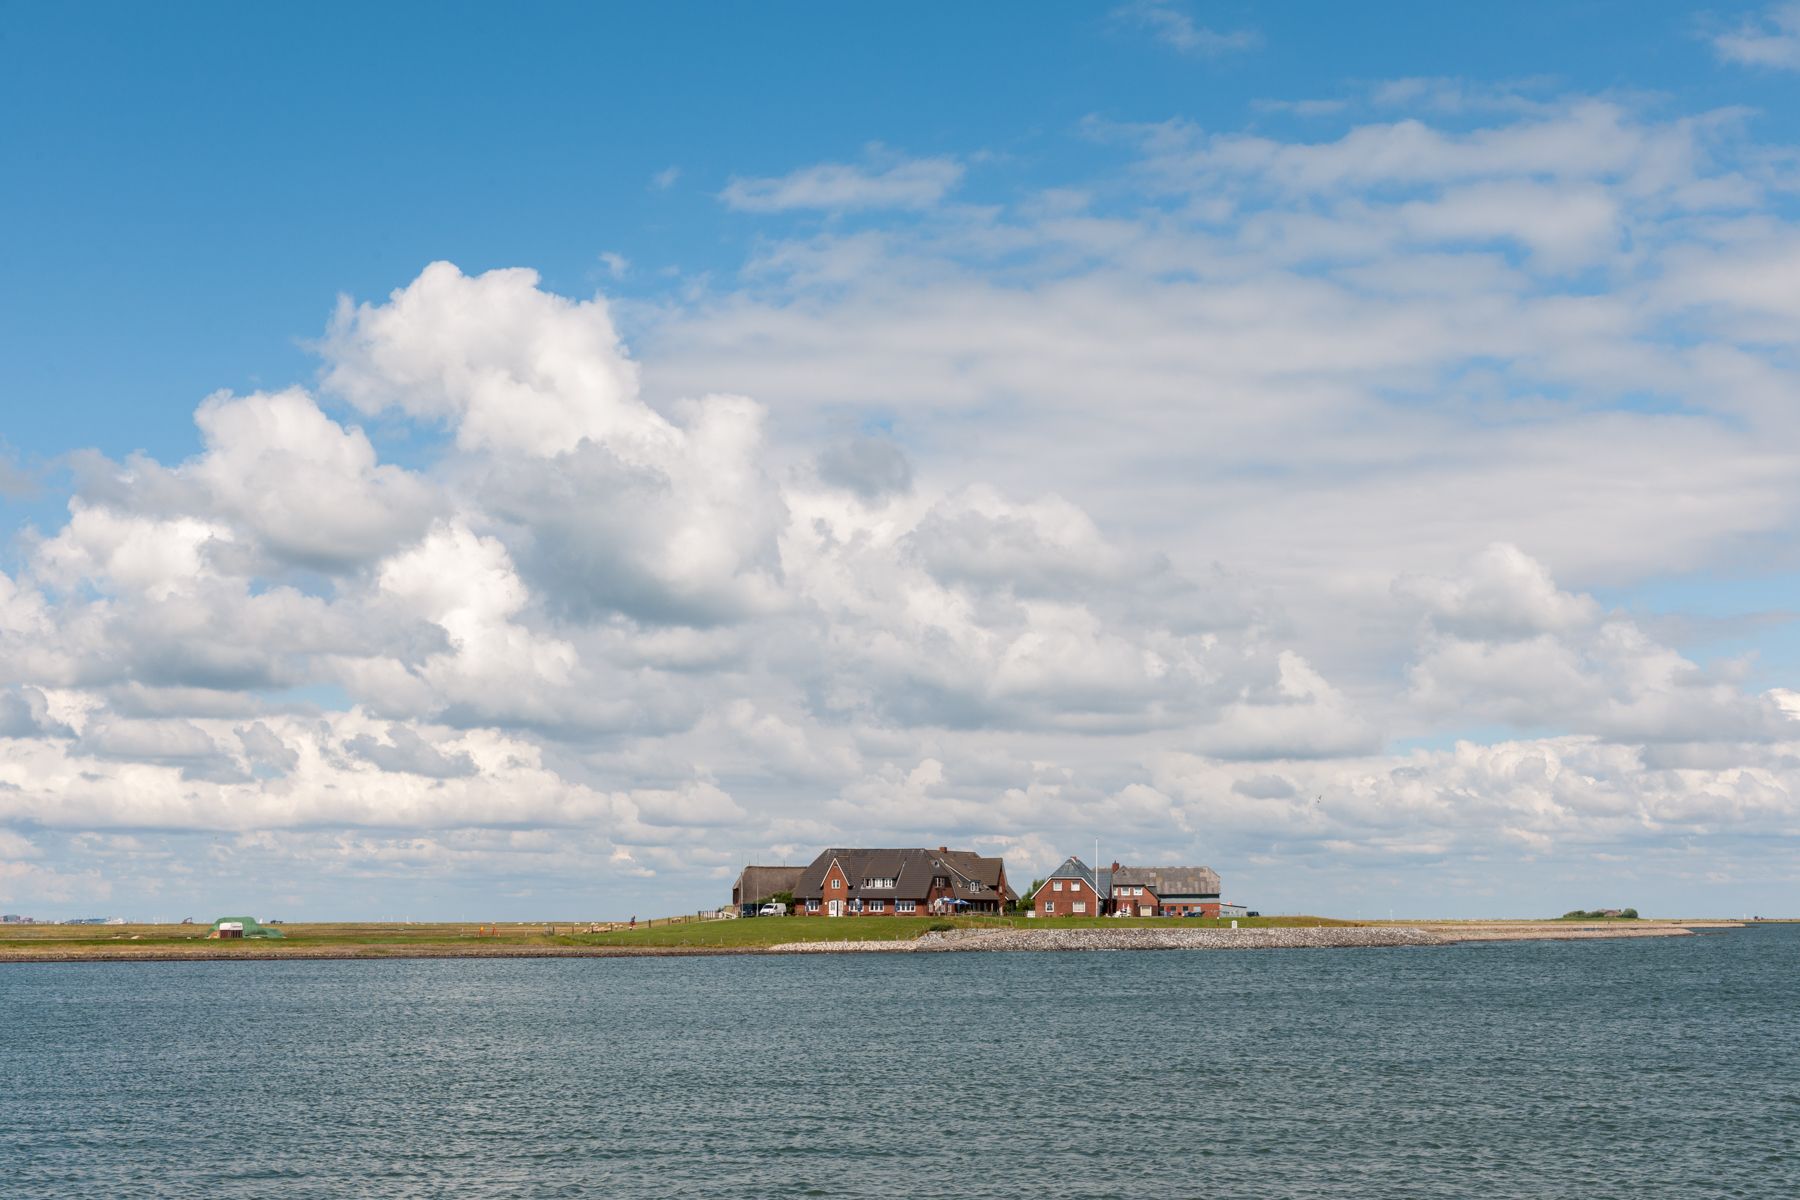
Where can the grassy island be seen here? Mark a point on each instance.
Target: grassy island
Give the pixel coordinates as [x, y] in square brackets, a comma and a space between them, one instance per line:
[685, 935]
[407, 939]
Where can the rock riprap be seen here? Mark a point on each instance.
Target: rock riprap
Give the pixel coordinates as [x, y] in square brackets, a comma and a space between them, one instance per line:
[1261, 938]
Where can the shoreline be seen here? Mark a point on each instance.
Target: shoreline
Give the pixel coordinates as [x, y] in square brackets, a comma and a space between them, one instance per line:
[1331, 938]
[977, 940]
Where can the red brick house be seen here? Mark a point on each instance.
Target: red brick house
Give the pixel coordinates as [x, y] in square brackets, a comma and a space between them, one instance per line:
[907, 882]
[1074, 890]
[1070, 891]
[1167, 891]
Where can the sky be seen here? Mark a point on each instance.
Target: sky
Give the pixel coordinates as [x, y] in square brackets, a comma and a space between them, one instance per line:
[472, 463]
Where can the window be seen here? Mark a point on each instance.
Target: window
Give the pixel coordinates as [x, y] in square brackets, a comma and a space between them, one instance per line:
[874, 906]
[1049, 906]
[1056, 885]
[856, 906]
[905, 906]
[812, 906]
[878, 883]
[1081, 906]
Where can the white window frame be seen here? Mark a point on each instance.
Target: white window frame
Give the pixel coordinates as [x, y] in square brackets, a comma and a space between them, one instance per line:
[812, 906]
[1080, 906]
[1056, 885]
[1049, 906]
[906, 906]
[875, 906]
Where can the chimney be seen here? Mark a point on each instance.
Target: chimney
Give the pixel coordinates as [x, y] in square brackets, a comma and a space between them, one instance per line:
[1115, 866]
[943, 849]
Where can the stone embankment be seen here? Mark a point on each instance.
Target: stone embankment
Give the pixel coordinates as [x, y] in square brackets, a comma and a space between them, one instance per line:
[1263, 938]
[1464, 932]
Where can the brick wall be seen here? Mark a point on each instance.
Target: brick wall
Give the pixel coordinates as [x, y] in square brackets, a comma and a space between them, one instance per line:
[1145, 905]
[1073, 892]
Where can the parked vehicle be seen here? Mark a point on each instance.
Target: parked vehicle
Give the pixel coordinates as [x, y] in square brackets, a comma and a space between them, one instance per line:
[773, 910]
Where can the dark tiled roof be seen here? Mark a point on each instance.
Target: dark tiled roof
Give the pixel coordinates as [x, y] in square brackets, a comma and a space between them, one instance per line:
[757, 884]
[972, 876]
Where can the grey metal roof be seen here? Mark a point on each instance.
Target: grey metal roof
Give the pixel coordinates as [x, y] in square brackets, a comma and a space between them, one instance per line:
[1171, 881]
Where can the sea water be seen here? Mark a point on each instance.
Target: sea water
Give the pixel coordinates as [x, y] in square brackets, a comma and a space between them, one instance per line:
[1646, 1068]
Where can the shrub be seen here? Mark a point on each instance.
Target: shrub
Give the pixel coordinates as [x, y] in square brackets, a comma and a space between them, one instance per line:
[939, 927]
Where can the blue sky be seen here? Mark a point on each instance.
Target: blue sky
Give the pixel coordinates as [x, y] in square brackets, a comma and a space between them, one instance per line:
[1248, 401]
[206, 183]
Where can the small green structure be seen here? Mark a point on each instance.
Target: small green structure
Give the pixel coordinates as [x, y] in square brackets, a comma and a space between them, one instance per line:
[242, 927]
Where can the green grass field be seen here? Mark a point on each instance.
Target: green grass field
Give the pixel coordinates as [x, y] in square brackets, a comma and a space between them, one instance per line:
[123, 941]
[18, 940]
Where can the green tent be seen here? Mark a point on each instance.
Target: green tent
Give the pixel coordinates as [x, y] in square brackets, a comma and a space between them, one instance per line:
[252, 928]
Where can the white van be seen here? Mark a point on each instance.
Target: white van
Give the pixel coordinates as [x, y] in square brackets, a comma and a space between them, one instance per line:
[773, 910]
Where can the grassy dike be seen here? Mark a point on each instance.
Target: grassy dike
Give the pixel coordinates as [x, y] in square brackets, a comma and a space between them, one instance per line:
[677, 936]
[26, 943]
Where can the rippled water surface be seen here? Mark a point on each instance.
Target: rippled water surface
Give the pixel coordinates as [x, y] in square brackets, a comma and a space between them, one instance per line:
[1656, 1068]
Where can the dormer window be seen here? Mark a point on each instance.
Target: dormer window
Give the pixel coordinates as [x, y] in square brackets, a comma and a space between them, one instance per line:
[878, 883]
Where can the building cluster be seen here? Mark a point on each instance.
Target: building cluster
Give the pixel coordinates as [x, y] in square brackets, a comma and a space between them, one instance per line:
[855, 882]
[1076, 890]
[844, 882]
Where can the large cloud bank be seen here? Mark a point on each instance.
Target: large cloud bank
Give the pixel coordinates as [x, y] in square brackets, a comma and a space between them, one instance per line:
[1251, 512]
